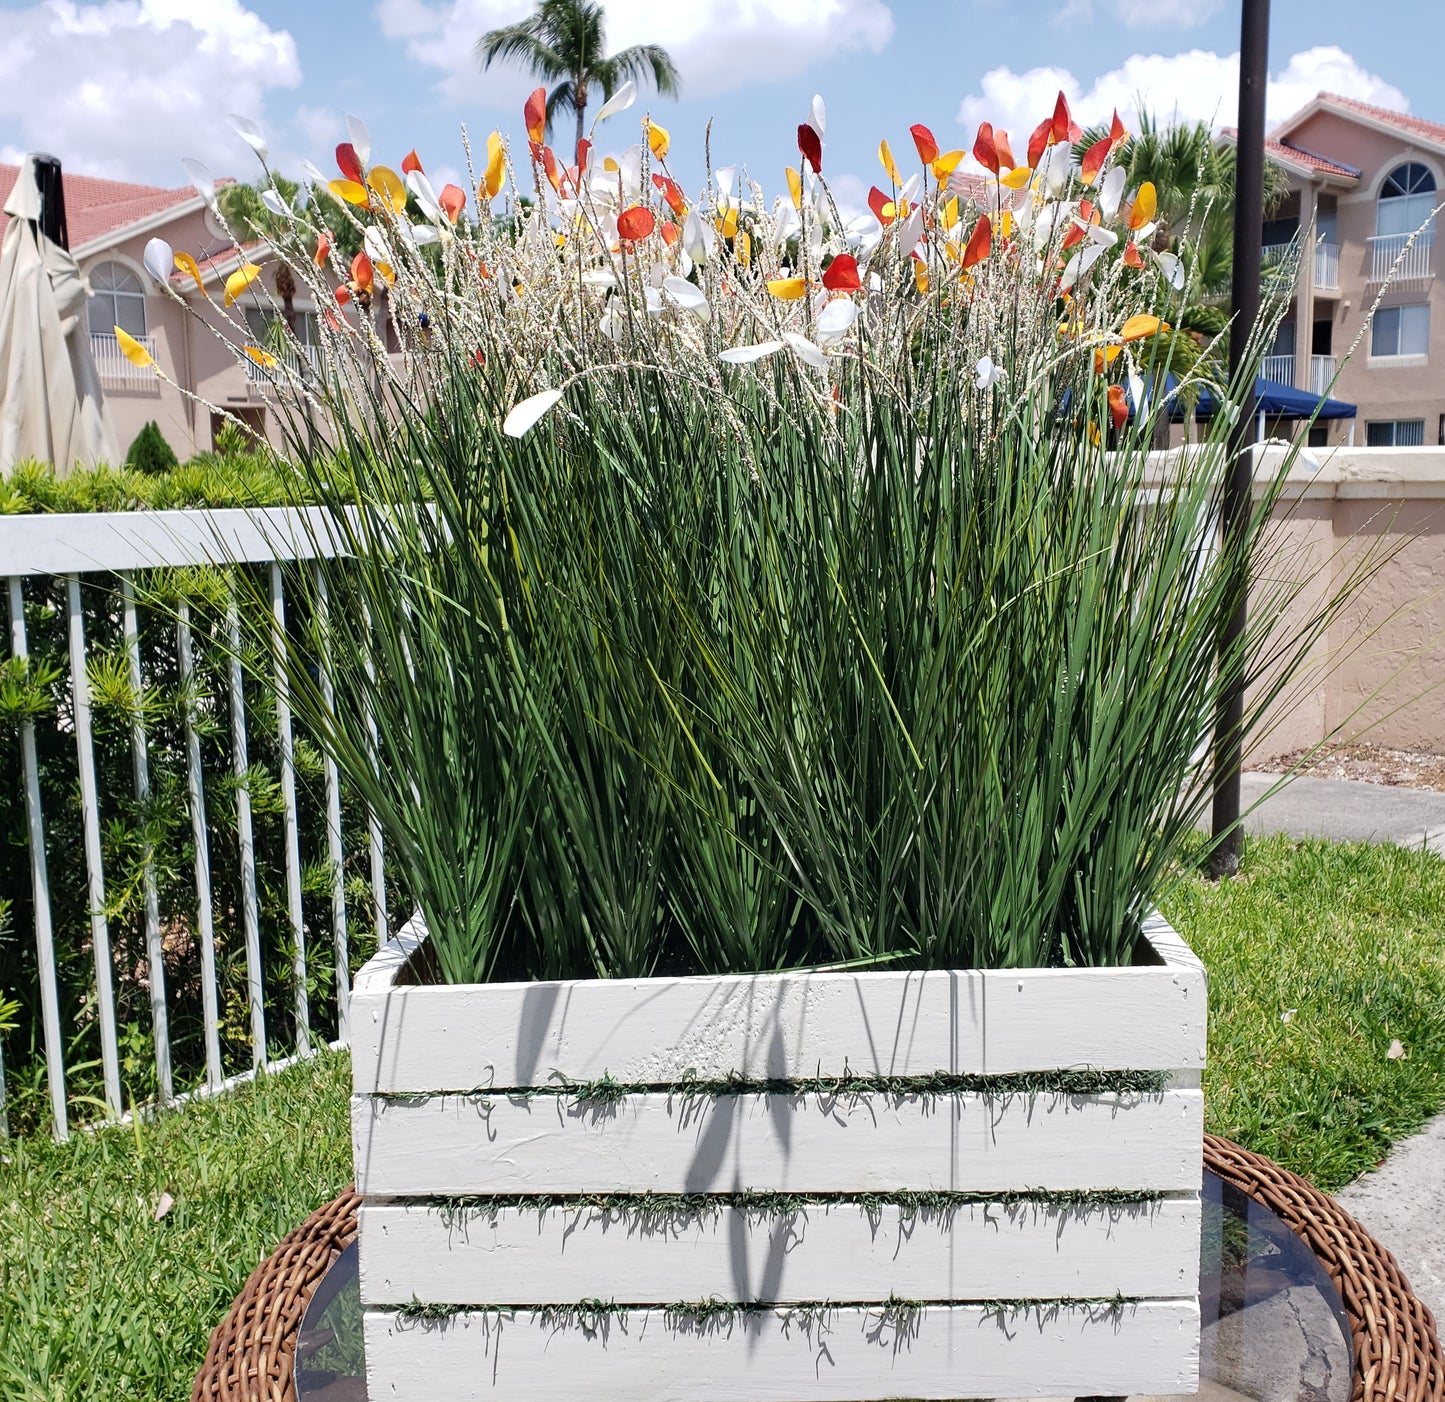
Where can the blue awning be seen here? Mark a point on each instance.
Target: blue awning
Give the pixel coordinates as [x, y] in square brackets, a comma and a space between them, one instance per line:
[1273, 400]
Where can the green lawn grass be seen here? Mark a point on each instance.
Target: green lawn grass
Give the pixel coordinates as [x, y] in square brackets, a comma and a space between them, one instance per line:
[1320, 955]
[100, 1301]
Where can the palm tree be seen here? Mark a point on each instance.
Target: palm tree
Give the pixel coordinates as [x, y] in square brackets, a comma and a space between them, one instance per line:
[1193, 179]
[563, 42]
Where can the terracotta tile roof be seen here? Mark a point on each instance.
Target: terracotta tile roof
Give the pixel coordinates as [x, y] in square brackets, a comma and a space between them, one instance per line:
[94, 207]
[1403, 121]
[1283, 151]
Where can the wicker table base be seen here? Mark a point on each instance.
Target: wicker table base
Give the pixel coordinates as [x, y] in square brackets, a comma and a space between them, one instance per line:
[1397, 1352]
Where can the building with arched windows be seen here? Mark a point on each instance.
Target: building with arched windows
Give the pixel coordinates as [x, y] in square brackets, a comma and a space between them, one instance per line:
[110, 222]
[1364, 183]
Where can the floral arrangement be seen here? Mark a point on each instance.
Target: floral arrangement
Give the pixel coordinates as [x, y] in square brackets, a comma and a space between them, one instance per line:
[741, 583]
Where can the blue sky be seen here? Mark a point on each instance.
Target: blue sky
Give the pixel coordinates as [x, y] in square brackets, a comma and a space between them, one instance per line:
[126, 87]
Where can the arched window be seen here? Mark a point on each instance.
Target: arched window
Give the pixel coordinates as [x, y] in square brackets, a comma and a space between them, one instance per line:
[116, 299]
[1406, 199]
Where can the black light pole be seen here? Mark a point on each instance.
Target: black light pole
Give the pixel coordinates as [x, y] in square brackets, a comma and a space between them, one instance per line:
[1244, 307]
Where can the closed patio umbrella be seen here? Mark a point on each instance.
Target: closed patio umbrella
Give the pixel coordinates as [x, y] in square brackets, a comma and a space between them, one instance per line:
[51, 406]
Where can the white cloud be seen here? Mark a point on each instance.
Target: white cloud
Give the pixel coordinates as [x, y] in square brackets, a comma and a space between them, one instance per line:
[320, 130]
[1142, 14]
[1195, 86]
[124, 88]
[718, 45]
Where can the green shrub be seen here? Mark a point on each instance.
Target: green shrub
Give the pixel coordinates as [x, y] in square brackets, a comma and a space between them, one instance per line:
[150, 453]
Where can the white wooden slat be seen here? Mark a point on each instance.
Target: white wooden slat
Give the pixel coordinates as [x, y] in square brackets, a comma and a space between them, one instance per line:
[847, 1143]
[95, 886]
[205, 929]
[657, 1031]
[140, 763]
[851, 1354]
[250, 920]
[837, 1251]
[335, 852]
[83, 542]
[288, 801]
[40, 887]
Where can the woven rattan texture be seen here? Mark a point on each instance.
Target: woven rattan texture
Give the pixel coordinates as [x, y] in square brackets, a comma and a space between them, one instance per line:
[1397, 1352]
[252, 1348]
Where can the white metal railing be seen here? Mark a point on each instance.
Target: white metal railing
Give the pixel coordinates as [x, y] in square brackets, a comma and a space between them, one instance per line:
[115, 369]
[1322, 373]
[1327, 267]
[69, 546]
[1414, 260]
[1278, 368]
[291, 364]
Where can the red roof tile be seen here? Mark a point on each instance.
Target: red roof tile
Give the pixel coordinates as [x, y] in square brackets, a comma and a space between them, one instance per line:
[95, 207]
[1403, 121]
[1283, 151]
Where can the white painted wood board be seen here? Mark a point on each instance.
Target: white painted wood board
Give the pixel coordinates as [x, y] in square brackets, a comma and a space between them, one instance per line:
[849, 1143]
[520, 1256]
[856, 1356]
[84, 542]
[789, 1026]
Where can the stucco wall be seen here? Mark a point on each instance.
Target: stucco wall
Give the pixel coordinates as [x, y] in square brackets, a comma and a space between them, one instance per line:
[1379, 673]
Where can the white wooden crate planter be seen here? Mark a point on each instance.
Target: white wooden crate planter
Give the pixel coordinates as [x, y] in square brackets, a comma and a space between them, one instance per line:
[796, 1186]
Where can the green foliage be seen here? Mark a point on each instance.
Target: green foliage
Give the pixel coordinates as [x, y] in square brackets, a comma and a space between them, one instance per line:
[236, 474]
[673, 684]
[150, 454]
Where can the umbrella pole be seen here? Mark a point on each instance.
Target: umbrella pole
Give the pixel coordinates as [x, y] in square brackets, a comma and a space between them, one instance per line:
[1248, 252]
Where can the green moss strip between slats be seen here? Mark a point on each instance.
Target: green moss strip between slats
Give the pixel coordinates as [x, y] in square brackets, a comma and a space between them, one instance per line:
[674, 1211]
[592, 1315]
[607, 1091]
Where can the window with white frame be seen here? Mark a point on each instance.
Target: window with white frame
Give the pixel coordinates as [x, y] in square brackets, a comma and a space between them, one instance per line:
[117, 298]
[1401, 331]
[1395, 433]
[1406, 199]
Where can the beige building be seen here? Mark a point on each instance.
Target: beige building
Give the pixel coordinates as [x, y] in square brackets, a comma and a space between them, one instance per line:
[1363, 184]
[109, 224]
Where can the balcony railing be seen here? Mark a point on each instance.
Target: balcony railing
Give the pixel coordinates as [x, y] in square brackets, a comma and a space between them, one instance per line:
[1322, 372]
[291, 365]
[1279, 369]
[115, 369]
[1327, 267]
[1414, 259]
[1277, 263]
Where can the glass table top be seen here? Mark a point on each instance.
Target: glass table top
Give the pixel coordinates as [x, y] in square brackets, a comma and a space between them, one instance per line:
[1272, 1325]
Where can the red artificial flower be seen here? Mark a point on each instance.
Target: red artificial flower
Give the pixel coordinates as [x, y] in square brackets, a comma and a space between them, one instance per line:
[636, 223]
[979, 243]
[410, 162]
[534, 114]
[347, 162]
[811, 147]
[841, 275]
[1118, 407]
[984, 151]
[453, 199]
[923, 140]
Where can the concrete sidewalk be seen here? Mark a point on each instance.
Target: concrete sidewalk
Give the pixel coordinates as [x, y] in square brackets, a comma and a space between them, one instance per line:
[1402, 1203]
[1345, 810]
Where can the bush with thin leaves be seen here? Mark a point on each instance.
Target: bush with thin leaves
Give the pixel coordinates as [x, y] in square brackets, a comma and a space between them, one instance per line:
[732, 586]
